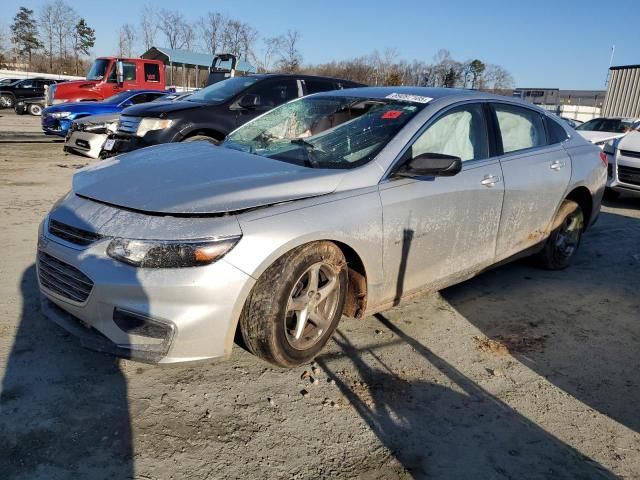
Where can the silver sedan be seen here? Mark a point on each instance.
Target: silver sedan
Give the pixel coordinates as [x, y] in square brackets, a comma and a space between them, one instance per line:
[337, 204]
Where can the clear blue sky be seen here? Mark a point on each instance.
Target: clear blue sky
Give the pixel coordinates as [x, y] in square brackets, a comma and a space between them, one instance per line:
[543, 43]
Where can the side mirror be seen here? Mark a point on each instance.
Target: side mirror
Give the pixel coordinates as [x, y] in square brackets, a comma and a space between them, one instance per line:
[250, 101]
[119, 73]
[431, 165]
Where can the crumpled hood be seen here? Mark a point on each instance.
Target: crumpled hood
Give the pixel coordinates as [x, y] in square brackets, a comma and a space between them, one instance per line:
[199, 178]
[599, 137]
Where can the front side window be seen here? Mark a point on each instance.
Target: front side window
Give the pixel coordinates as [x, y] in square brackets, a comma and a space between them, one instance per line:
[325, 132]
[129, 71]
[520, 128]
[460, 132]
[273, 93]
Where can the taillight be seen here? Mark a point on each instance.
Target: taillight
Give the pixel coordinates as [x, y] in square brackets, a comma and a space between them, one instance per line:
[605, 160]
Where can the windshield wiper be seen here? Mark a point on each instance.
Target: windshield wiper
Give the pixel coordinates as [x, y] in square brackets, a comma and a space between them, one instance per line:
[309, 147]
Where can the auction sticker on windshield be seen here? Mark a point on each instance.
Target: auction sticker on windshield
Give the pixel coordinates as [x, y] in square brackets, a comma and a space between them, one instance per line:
[409, 98]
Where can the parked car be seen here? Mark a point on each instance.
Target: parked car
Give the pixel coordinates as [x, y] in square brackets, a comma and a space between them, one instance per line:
[602, 130]
[108, 76]
[340, 203]
[624, 165]
[87, 135]
[212, 112]
[33, 106]
[27, 88]
[573, 123]
[57, 119]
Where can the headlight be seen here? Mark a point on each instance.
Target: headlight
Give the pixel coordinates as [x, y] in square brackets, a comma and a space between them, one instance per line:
[149, 124]
[170, 254]
[60, 114]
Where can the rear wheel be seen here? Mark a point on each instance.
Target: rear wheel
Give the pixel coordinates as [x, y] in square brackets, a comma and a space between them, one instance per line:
[562, 245]
[35, 109]
[296, 305]
[198, 138]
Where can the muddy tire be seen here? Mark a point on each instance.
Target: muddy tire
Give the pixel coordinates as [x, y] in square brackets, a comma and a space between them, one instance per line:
[35, 109]
[199, 138]
[296, 305]
[562, 245]
[7, 100]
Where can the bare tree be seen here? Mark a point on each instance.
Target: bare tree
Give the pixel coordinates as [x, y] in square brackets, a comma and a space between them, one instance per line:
[496, 79]
[171, 25]
[290, 56]
[188, 35]
[46, 22]
[148, 26]
[211, 28]
[64, 19]
[126, 40]
[265, 60]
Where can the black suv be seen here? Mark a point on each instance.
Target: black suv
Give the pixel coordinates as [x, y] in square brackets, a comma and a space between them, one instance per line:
[28, 88]
[213, 112]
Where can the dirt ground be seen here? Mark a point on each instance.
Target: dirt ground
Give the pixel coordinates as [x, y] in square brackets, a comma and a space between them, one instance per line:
[517, 374]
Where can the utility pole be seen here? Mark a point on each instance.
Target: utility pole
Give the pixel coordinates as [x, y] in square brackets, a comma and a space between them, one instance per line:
[613, 51]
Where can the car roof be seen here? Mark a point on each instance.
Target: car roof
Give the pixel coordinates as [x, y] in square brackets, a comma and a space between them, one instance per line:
[433, 93]
[302, 76]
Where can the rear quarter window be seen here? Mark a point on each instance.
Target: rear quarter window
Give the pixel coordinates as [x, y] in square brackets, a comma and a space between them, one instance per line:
[555, 132]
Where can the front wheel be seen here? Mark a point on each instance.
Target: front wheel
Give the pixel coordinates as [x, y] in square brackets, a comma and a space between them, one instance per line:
[7, 101]
[562, 245]
[35, 109]
[296, 305]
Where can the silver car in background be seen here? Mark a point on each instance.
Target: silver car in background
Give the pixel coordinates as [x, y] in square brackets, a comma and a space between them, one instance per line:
[336, 204]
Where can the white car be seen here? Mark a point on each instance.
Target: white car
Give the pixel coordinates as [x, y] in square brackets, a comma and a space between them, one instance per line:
[602, 130]
[87, 135]
[624, 164]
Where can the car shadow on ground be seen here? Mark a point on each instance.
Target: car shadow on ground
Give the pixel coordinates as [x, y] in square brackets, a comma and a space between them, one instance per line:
[561, 327]
[63, 409]
[459, 432]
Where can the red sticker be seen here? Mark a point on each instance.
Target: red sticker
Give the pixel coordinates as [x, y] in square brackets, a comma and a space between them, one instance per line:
[391, 114]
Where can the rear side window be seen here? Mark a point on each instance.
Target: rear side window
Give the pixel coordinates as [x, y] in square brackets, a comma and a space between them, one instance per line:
[555, 132]
[151, 72]
[520, 128]
[315, 85]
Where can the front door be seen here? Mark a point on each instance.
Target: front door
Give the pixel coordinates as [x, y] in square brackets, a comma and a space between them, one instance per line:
[441, 230]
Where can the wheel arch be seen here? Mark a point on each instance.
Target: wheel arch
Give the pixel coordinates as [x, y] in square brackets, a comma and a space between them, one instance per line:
[582, 196]
[209, 132]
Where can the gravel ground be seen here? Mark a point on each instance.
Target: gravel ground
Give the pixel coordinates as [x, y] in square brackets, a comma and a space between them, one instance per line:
[518, 373]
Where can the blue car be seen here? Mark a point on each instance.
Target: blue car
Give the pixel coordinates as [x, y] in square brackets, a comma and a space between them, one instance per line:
[56, 120]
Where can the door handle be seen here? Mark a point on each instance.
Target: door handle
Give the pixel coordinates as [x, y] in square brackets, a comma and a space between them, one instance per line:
[490, 180]
[557, 165]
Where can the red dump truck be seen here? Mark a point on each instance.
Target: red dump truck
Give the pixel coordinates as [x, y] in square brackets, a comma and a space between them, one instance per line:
[108, 76]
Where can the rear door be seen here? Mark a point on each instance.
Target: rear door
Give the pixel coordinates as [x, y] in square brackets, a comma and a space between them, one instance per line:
[28, 89]
[443, 229]
[536, 173]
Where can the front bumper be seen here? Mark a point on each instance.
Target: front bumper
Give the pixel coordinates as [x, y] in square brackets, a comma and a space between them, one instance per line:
[192, 312]
[55, 126]
[624, 172]
[85, 143]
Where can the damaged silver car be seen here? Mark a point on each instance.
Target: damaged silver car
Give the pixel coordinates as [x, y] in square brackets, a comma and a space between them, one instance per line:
[336, 204]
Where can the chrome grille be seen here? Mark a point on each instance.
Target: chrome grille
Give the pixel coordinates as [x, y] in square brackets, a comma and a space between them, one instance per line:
[71, 234]
[629, 175]
[128, 124]
[61, 278]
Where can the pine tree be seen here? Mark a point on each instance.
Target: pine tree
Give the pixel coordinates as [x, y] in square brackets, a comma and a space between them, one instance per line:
[24, 33]
[84, 38]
